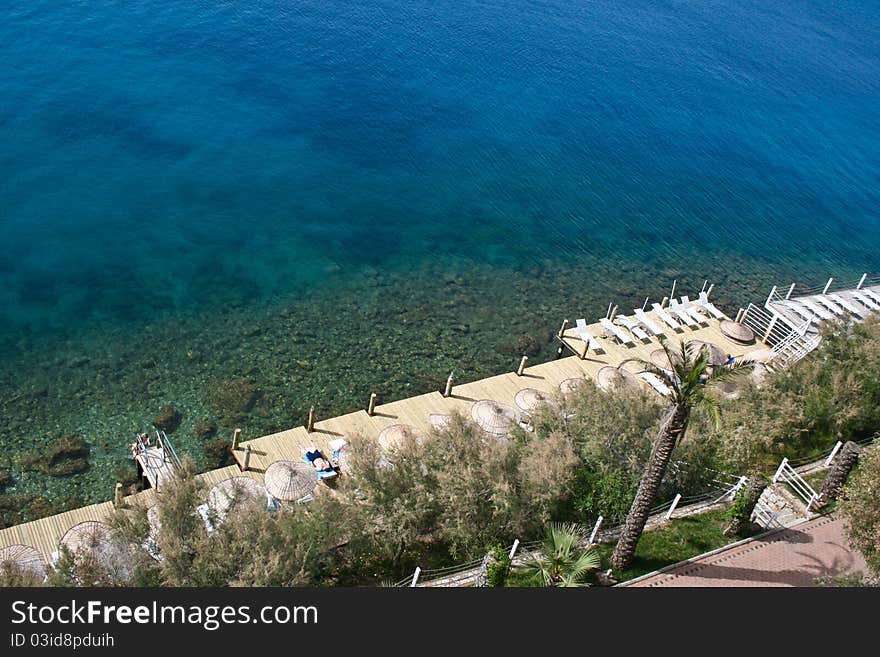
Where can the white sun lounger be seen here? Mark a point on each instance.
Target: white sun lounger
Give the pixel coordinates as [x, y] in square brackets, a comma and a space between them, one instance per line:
[815, 308]
[647, 322]
[802, 312]
[633, 327]
[664, 316]
[865, 301]
[852, 308]
[616, 331]
[654, 381]
[581, 328]
[680, 312]
[711, 307]
[874, 296]
[693, 310]
[830, 305]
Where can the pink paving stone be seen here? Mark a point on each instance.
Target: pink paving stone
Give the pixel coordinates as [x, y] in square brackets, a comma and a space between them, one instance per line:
[792, 557]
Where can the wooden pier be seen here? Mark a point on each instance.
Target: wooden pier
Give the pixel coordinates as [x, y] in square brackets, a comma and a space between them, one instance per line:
[45, 534]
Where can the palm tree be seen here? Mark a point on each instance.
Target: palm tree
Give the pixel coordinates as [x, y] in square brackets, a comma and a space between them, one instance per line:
[561, 560]
[689, 381]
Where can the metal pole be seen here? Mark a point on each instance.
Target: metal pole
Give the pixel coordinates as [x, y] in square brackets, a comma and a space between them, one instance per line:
[770, 296]
[513, 549]
[674, 504]
[709, 291]
[672, 294]
[613, 313]
[827, 285]
[415, 577]
[596, 529]
[790, 290]
[608, 312]
[780, 469]
[705, 283]
[645, 305]
[739, 316]
[522, 365]
[862, 281]
[371, 408]
[833, 453]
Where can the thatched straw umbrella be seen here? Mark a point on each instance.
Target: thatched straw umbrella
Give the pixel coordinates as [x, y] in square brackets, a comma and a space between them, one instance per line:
[570, 385]
[659, 358]
[343, 458]
[96, 539]
[530, 399]
[395, 436]
[233, 492]
[737, 332]
[439, 421]
[717, 355]
[617, 378]
[494, 417]
[290, 480]
[25, 558]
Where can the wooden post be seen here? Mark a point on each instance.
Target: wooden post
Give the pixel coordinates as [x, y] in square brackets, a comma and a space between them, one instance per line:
[117, 495]
[562, 328]
[448, 391]
[371, 408]
[862, 281]
[311, 424]
[664, 302]
[790, 290]
[827, 285]
[247, 457]
[236, 436]
[522, 365]
[586, 350]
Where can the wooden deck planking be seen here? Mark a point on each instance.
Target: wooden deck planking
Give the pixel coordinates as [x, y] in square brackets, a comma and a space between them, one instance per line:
[45, 534]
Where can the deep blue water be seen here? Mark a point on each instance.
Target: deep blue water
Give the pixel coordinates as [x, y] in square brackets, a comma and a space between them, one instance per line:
[168, 154]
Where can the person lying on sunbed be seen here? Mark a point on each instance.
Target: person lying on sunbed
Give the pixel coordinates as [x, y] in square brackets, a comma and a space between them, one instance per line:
[314, 457]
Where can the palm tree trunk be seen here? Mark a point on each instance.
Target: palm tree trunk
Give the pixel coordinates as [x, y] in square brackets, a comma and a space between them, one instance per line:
[834, 481]
[673, 428]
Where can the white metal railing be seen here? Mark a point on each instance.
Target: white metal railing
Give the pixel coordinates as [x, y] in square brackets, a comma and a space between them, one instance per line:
[798, 484]
[769, 326]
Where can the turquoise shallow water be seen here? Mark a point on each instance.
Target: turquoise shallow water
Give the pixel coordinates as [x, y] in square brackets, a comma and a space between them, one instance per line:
[201, 191]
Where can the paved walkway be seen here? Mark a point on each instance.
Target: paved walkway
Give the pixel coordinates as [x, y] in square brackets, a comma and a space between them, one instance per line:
[791, 557]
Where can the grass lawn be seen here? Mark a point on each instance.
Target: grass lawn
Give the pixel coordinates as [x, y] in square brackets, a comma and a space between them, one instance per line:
[677, 540]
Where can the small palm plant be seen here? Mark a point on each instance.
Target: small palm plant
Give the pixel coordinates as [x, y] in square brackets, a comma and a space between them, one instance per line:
[562, 559]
